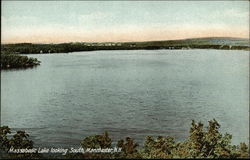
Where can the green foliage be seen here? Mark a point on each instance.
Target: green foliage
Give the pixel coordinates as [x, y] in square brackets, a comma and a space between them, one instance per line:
[242, 151]
[18, 141]
[160, 147]
[4, 141]
[97, 141]
[10, 60]
[209, 143]
[129, 148]
[203, 142]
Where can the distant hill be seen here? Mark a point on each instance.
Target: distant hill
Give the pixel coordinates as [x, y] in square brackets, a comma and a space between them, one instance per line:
[201, 41]
[223, 41]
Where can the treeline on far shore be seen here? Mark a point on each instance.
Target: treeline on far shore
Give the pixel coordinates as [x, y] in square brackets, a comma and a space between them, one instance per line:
[203, 43]
[10, 57]
[203, 142]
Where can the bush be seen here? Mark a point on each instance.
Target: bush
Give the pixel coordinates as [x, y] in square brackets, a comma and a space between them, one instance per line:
[129, 149]
[18, 141]
[202, 143]
[97, 141]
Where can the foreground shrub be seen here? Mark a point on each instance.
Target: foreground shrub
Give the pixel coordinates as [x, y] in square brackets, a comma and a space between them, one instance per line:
[203, 142]
[209, 143]
[17, 141]
[97, 141]
[161, 147]
[129, 148]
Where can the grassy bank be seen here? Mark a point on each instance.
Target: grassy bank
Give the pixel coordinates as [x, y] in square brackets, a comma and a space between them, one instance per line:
[203, 142]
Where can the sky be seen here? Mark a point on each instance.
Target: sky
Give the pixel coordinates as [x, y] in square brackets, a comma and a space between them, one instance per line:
[106, 21]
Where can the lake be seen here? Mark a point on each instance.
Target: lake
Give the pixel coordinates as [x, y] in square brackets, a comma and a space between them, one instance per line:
[134, 93]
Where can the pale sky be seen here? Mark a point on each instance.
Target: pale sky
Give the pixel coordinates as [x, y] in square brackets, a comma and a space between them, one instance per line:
[99, 21]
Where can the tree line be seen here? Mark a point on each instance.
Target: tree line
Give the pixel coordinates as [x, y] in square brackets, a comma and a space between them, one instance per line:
[30, 48]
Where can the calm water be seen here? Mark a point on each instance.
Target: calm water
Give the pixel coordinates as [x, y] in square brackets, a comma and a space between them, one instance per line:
[128, 93]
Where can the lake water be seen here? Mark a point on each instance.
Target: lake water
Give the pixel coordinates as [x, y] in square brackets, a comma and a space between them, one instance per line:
[127, 93]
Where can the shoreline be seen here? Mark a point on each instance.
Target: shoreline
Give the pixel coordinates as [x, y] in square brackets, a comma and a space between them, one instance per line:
[201, 43]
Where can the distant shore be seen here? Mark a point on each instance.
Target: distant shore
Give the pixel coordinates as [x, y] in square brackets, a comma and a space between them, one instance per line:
[197, 43]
